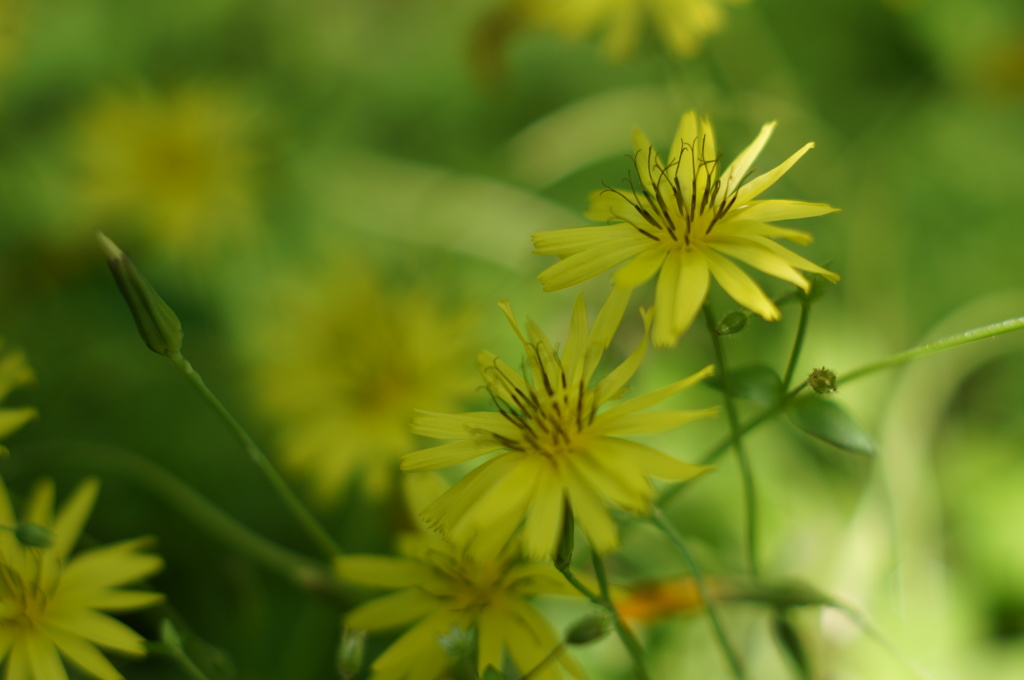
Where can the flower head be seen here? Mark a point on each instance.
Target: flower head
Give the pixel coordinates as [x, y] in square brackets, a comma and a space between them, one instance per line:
[343, 373]
[175, 166]
[681, 24]
[51, 602]
[558, 446]
[457, 608]
[687, 219]
[14, 373]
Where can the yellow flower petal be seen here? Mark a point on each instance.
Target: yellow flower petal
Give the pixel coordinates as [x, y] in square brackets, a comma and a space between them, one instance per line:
[741, 228]
[774, 210]
[654, 462]
[380, 571]
[13, 419]
[460, 426]
[579, 267]
[649, 422]
[446, 455]
[391, 611]
[111, 565]
[577, 239]
[100, 629]
[759, 257]
[694, 281]
[74, 514]
[598, 526]
[640, 269]
[543, 525]
[737, 170]
[657, 396]
[43, 660]
[741, 287]
[665, 299]
[84, 654]
[758, 185]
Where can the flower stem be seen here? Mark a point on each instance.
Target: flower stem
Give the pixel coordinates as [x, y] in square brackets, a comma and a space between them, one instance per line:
[297, 508]
[736, 435]
[972, 335]
[191, 505]
[603, 600]
[949, 342]
[702, 587]
[798, 342]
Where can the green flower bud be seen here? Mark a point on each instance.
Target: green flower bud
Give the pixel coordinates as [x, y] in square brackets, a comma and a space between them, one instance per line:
[589, 629]
[822, 381]
[351, 652]
[33, 536]
[157, 323]
[731, 323]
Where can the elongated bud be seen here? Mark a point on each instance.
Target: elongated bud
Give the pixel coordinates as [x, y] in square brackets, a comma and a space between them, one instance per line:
[563, 558]
[351, 652]
[589, 629]
[157, 323]
[822, 381]
[733, 322]
[33, 535]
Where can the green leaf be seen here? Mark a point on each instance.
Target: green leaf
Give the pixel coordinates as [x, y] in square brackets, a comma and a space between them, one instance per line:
[827, 421]
[757, 384]
[789, 639]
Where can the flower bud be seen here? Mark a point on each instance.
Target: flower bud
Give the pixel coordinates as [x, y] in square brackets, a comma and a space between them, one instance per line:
[731, 323]
[822, 381]
[351, 651]
[157, 323]
[589, 629]
[33, 536]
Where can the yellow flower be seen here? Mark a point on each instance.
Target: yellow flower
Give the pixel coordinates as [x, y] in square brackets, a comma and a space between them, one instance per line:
[559, 446]
[51, 602]
[686, 219]
[14, 373]
[343, 363]
[681, 24]
[175, 166]
[441, 590]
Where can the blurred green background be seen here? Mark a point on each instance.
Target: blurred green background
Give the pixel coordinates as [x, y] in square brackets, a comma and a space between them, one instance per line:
[248, 153]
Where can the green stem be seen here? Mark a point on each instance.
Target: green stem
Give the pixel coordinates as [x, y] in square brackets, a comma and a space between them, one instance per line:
[972, 335]
[604, 602]
[305, 518]
[736, 435]
[543, 662]
[798, 342]
[951, 341]
[191, 505]
[705, 593]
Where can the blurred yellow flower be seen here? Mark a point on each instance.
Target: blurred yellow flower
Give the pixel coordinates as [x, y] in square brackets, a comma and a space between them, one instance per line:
[442, 594]
[686, 219]
[342, 366]
[175, 166]
[681, 24]
[559, 447]
[14, 373]
[51, 603]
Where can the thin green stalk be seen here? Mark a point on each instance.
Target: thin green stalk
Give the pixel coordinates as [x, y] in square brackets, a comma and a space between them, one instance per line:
[624, 631]
[705, 594]
[972, 335]
[605, 603]
[949, 342]
[191, 505]
[736, 434]
[798, 342]
[543, 662]
[292, 501]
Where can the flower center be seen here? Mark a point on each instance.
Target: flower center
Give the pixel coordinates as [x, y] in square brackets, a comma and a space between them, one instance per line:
[550, 417]
[473, 585]
[673, 211]
[22, 602]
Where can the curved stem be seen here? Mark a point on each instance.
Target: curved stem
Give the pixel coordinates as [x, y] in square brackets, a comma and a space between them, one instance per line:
[798, 342]
[603, 600]
[705, 593]
[736, 437]
[948, 342]
[305, 518]
[194, 507]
